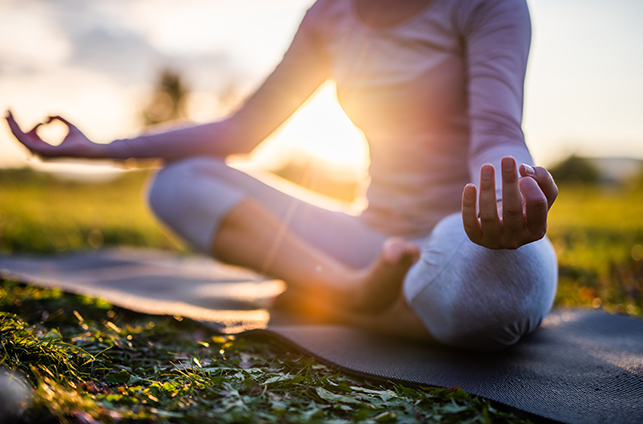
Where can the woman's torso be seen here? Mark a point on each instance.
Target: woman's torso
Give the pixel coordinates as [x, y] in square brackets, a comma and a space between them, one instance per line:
[405, 87]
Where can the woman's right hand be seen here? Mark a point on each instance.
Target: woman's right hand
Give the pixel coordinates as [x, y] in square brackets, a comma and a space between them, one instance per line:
[74, 145]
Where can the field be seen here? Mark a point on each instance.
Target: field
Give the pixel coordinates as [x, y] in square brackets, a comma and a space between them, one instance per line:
[84, 360]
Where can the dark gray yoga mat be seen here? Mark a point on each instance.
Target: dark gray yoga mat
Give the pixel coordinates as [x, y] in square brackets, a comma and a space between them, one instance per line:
[582, 366]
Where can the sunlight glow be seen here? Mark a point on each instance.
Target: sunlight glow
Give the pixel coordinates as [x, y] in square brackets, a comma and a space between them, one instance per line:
[95, 63]
[101, 109]
[321, 129]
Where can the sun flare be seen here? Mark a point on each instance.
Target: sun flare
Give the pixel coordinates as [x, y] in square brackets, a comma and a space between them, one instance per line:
[320, 130]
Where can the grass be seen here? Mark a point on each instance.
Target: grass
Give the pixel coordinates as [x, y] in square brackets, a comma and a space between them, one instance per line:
[598, 236]
[42, 214]
[84, 360]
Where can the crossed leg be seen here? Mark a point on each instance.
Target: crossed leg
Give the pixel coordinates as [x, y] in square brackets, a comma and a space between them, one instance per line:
[326, 255]
[253, 237]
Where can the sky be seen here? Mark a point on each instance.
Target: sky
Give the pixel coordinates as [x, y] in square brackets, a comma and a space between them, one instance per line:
[96, 63]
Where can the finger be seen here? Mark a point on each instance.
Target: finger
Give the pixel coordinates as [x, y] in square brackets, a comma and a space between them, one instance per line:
[469, 214]
[512, 214]
[488, 208]
[13, 125]
[544, 180]
[414, 252]
[536, 207]
[61, 119]
[33, 131]
[31, 140]
[15, 128]
[526, 170]
[546, 184]
[71, 127]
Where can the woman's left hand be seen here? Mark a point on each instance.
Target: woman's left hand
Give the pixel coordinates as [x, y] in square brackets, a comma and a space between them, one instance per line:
[520, 217]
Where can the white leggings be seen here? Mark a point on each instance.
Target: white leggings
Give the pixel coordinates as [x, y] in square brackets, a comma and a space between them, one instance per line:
[466, 295]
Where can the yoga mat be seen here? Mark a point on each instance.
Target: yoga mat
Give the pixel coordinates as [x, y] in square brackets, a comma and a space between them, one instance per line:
[581, 366]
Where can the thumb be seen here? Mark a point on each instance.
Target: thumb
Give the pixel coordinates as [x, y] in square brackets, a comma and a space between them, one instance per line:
[543, 178]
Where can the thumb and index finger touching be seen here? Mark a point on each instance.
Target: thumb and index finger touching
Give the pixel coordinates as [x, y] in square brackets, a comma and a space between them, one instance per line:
[32, 135]
[538, 190]
[31, 140]
[61, 119]
[544, 180]
[15, 128]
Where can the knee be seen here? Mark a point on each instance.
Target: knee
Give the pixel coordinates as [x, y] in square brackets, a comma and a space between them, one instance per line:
[190, 197]
[476, 298]
[171, 188]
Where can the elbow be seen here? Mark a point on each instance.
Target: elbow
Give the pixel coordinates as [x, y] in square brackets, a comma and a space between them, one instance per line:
[236, 138]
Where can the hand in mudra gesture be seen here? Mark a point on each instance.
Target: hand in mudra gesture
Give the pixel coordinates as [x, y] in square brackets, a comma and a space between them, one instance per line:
[521, 216]
[75, 144]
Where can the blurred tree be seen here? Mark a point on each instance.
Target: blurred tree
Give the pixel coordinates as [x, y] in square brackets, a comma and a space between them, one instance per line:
[575, 169]
[168, 100]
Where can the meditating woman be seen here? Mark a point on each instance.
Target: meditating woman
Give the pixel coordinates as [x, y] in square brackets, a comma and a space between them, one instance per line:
[451, 247]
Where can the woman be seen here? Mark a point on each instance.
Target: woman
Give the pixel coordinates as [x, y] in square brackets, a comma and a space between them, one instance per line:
[437, 88]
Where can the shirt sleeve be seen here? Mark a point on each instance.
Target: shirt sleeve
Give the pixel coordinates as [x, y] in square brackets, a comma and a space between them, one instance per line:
[496, 35]
[303, 68]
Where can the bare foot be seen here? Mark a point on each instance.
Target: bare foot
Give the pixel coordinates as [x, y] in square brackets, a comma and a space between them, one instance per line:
[378, 286]
[343, 290]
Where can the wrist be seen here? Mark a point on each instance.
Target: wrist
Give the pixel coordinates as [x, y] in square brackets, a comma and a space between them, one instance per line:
[99, 151]
[117, 149]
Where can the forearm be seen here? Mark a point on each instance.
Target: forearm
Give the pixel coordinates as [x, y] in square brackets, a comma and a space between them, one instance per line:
[303, 68]
[497, 34]
[212, 139]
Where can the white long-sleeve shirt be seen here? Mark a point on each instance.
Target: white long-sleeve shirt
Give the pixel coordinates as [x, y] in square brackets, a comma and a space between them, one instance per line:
[436, 95]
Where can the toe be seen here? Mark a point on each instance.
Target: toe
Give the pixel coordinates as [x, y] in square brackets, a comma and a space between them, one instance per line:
[414, 252]
[393, 250]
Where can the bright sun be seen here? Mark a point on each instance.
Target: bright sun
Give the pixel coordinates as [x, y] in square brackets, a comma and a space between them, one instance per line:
[320, 128]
